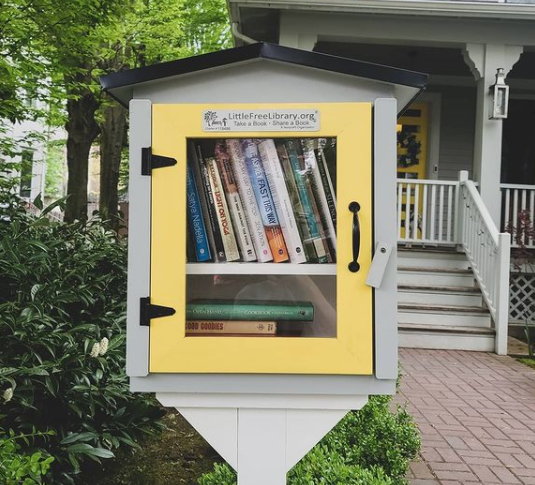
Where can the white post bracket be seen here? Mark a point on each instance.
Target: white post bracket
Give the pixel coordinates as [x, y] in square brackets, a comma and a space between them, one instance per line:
[262, 436]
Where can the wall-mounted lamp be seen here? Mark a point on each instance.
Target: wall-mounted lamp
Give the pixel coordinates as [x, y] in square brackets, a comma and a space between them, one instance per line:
[500, 97]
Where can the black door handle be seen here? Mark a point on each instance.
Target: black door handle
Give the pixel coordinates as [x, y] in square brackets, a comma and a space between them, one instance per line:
[354, 266]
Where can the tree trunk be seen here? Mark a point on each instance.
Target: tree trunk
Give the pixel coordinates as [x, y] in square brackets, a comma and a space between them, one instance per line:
[82, 129]
[112, 138]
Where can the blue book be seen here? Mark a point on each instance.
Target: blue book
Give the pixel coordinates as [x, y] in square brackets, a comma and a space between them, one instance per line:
[264, 199]
[259, 182]
[195, 219]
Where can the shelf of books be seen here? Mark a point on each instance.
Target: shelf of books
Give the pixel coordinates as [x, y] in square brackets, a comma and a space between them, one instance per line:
[261, 248]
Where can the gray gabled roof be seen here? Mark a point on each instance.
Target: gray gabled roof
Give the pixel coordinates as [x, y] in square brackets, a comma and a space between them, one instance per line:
[115, 83]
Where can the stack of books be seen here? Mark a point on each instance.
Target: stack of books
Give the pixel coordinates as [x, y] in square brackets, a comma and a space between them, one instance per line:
[244, 318]
[264, 200]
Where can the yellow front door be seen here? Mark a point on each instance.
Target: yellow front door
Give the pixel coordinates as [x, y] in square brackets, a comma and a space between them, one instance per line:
[412, 151]
[338, 338]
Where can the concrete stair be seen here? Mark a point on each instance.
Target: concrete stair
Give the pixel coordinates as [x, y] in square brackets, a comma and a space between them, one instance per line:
[439, 303]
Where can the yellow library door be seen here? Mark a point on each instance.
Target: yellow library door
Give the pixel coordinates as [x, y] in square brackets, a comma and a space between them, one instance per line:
[412, 132]
[262, 239]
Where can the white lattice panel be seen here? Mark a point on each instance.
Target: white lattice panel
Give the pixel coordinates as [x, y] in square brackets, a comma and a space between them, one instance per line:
[522, 297]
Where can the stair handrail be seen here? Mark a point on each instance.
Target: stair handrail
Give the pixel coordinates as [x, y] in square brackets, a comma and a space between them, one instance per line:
[488, 251]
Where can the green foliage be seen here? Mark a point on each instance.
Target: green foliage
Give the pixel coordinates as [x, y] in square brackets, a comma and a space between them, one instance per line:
[17, 467]
[55, 169]
[222, 475]
[62, 327]
[372, 446]
[374, 436]
[325, 466]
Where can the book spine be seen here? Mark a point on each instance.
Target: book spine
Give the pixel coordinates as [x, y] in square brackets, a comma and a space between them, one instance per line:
[229, 311]
[196, 169]
[293, 155]
[196, 223]
[222, 212]
[219, 249]
[296, 203]
[323, 233]
[311, 166]
[242, 327]
[234, 202]
[327, 183]
[265, 201]
[252, 213]
[190, 247]
[281, 200]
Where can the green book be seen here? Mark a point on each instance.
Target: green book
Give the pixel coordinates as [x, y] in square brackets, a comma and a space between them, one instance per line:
[250, 310]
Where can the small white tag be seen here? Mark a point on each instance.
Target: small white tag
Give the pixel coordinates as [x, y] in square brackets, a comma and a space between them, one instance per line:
[261, 120]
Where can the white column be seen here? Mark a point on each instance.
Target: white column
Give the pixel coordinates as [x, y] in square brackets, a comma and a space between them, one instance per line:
[484, 60]
[290, 36]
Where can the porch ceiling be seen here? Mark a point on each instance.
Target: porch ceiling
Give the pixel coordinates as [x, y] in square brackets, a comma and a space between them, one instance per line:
[431, 60]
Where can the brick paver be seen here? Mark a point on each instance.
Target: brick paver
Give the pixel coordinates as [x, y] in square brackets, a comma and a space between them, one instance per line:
[476, 414]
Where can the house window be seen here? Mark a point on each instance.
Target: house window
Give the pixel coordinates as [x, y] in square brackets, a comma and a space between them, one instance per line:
[26, 170]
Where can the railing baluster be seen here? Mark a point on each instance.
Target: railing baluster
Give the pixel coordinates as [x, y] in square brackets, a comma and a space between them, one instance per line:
[400, 201]
[424, 214]
[449, 237]
[433, 206]
[440, 212]
[515, 212]
[523, 207]
[531, 212]
[408, 212]
[507, 215]
[416, 212]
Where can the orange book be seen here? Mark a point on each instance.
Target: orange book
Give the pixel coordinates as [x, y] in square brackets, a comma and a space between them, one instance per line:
[230, 327]
[277, 244]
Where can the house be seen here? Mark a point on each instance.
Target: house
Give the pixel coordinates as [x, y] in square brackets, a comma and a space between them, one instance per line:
[462, 178]
[28, 138]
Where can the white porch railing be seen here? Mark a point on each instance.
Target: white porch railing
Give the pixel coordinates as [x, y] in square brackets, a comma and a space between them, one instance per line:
[489, 253]
[453, 213]
[518, 199]
[427, 211]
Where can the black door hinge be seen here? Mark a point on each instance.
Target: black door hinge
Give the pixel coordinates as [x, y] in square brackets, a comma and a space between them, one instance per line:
[150, 161]
[147, 311]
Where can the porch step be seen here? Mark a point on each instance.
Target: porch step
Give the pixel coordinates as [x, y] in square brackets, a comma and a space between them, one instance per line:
[440, 295]
[444, 258]
[422, 336]
[448, 315]
[440, 305]
[421, 275]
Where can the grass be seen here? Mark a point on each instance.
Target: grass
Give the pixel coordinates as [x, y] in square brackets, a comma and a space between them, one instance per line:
[530, 362]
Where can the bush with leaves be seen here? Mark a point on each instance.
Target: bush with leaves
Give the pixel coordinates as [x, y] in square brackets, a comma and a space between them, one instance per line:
[17, 467]
[62, 327]
[372, 446]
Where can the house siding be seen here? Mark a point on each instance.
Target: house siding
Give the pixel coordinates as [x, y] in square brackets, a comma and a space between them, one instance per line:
[457, 130]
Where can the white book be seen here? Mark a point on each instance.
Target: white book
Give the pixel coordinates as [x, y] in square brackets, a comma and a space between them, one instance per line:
[311, 165]
[252, 213]
[239, 220]
[223, 214]
[281, 200]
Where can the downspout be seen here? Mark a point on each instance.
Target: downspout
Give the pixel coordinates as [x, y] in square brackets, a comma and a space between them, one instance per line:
[238, 35]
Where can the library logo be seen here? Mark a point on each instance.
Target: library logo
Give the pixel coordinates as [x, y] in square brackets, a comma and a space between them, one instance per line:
[213, 122]
[261, 120]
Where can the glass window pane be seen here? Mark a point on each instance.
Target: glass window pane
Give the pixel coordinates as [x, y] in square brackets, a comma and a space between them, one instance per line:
[261, 237]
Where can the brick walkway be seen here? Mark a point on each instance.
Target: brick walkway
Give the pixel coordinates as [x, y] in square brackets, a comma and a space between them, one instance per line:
[476, 414]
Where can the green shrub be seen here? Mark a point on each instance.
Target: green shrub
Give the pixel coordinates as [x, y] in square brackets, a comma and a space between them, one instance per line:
[375, 436]
[62, 328]
[372, 446]
[21, 468]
